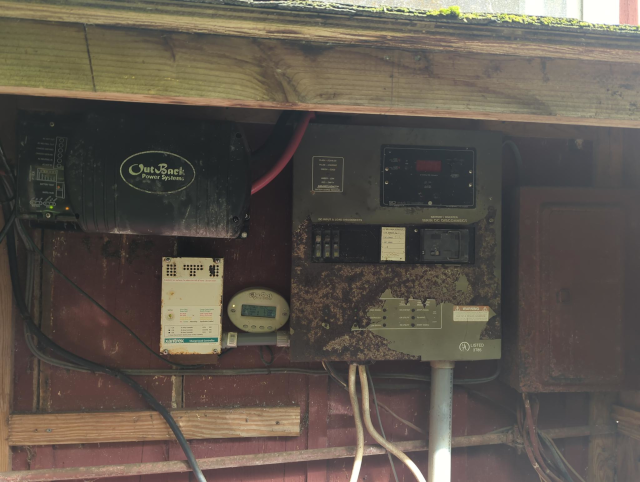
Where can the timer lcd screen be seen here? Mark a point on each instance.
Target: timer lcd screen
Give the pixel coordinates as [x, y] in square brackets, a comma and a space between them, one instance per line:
[259, 311]
[429, 166]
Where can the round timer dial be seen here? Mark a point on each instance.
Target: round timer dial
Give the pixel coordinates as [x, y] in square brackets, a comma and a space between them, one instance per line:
[258, 310]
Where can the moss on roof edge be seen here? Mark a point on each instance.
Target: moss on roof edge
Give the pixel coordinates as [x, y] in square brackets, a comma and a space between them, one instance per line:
[449, 14]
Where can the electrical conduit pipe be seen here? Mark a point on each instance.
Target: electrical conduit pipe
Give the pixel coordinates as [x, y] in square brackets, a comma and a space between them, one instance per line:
[440, 413]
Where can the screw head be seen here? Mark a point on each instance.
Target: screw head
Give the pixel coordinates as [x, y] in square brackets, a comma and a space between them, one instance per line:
[491, 220]
[165, 352]
[386, 182]
[47, 215]
[429, 203]
[167, 259]
[243, 235]
[51, 124]
[247, 217]
[470, 185]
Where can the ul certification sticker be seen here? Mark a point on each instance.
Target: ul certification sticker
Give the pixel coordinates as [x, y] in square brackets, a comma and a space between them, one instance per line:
[327, 174]
[471, 313]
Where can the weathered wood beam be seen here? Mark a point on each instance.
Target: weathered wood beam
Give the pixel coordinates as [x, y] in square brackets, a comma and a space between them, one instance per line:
[153, 66]
[135, 426]
[6, 354]
[342, 27]
[84, 473]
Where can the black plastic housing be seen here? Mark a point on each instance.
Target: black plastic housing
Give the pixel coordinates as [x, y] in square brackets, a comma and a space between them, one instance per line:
[134, 175]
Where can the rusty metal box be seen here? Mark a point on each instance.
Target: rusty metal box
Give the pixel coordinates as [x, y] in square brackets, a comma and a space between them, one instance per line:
[571, 274]
[396, 244]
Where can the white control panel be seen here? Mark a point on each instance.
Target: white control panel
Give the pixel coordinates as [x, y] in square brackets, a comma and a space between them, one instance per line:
[258, 310]
[191, 306]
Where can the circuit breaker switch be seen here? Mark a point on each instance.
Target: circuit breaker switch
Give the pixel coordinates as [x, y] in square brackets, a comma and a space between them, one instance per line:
[317, 244]
[336, 244]
[327, 244]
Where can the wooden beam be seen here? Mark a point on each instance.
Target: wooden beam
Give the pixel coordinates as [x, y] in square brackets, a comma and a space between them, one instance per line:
[6, 354]
[252, 460]
[81, 428]
[153, 66]
[608, 169]
[627, 418]
[602, 448]
[339, 26]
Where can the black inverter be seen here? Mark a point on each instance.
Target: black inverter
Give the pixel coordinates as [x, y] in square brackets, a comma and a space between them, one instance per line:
[134, 175]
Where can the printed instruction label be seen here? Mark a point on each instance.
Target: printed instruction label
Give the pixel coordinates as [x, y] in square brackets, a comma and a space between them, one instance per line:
[393, 244]
[327, 174]
[471, 313]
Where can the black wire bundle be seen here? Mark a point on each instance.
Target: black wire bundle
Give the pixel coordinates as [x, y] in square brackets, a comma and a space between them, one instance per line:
[73, 358]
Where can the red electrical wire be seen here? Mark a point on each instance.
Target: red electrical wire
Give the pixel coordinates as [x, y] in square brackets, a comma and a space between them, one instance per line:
[286, 155]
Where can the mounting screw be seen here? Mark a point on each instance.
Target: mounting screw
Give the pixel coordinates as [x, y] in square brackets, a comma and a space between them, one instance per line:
[165, 352]
[167, 259]
[491, 220]
[415, 230]
[386, 169]
[243, 235]
[51, 124]
[49, 430]
[236, 219]
[247, 217]
[386, 182]
[429, 203]
[470, 172]
[47, 215]
[470, 185]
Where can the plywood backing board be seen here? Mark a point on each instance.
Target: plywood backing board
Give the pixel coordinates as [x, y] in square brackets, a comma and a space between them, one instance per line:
[139, 426]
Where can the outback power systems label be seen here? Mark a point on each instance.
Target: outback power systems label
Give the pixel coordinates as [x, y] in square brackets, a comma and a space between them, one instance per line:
[157, 172]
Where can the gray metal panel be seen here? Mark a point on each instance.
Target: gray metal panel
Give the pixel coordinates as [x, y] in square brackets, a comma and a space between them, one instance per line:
[332, 304]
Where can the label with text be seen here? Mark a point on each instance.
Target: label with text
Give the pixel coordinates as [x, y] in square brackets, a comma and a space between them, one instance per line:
[471, 313]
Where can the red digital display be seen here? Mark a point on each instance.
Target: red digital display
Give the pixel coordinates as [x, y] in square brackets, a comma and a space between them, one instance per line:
[429, 166]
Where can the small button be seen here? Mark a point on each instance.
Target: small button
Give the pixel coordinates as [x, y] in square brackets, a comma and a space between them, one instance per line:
[245, 326]
[262, 327]
[253, 327]
[318, 238]
[269, 327]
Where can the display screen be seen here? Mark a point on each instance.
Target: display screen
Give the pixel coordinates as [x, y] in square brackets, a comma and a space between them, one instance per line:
[259, 311]
[429, 166]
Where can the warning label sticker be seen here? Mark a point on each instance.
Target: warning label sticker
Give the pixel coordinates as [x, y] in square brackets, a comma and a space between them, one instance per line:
[471, 313]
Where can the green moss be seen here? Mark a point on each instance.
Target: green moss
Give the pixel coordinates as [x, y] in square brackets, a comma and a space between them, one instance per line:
[452, 14]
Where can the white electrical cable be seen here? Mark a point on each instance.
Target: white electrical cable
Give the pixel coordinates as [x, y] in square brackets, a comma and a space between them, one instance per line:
[376, 436]
[357, 462]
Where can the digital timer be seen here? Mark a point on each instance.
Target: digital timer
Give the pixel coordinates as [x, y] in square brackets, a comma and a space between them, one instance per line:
[258, 310]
